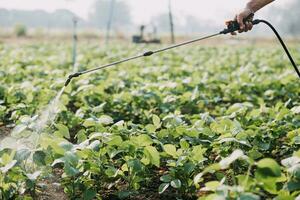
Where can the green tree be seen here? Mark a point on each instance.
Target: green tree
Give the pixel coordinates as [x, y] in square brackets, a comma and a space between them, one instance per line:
[20, 30]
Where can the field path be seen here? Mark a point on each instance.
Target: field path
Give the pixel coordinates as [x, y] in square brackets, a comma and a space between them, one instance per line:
[4, 132]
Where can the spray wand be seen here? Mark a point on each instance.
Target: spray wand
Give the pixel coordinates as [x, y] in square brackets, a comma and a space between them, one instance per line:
[231, 27]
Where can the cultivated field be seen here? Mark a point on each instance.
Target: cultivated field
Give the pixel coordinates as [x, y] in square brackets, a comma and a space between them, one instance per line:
[194, 123]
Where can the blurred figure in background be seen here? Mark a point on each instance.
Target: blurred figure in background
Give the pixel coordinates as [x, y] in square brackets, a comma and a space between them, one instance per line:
[251, 7]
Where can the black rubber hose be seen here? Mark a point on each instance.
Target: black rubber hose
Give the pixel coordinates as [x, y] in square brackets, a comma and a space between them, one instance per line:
[257, 21]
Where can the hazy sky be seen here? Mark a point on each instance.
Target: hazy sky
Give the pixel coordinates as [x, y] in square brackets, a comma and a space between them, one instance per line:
[143, 10]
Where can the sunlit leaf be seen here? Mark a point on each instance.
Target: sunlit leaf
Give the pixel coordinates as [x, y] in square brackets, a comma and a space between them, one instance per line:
[162, 188]
[153, 155]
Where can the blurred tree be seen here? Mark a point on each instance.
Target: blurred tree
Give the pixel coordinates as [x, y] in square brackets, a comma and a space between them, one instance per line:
[20, 30]
[99, 15]
[162, 22]
[189, 24]
[37, 18]
[287, 18]
[194, 25]
[290, 18]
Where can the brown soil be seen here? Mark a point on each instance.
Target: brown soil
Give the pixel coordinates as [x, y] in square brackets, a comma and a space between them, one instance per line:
[52, 189]
[4, 132]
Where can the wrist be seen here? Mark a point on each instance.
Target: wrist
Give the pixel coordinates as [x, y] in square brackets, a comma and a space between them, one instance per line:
[251, 7]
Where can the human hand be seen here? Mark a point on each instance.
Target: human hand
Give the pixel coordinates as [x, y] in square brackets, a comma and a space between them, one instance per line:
[240, 18]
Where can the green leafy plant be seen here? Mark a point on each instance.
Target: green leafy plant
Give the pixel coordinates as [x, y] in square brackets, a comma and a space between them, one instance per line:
[207, 123]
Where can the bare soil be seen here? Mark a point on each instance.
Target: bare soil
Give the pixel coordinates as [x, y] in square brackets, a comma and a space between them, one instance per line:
[4, 132]
[52, 189]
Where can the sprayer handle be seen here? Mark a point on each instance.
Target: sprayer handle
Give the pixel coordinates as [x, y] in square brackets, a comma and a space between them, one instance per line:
[235, 26]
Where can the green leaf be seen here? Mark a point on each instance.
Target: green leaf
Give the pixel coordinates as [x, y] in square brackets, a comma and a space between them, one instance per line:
[197, 153]
[156, 121]
[63, 131]
[150, 128]
[115, 141]
[47, 142]
[176, 183]
[198, 178]
[297, 153]
[106, 120]
[153, 155]
[291, 162]
[95, 145]
[293, 186]
[7, 167]
[111, 172]
[195, 93]
[222, 127]
[58, 161]
[22, 155]
[248, 196]
[267, 183]
[284, 195]
[71, 158]
[296, 140]
[255, 154]
[99, 108]
[237, 154]
[39, 158]
[70, 171]
[171, 150]
[166, 178]
[163, 187]
[296, 110]
[212, 168]
[34, 176]
[89, 122]
[113, 152]
[142, 140]
[81, 136]
[67, 146]
[135, 164]
[89, 194]
[227, 140]
[212, 185]
[269, 167]
[184, 144]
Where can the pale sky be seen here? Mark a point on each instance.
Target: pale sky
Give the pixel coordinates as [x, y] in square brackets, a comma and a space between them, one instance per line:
[143, 10]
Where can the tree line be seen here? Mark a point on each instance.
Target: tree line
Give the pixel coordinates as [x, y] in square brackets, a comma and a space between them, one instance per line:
[286, 19]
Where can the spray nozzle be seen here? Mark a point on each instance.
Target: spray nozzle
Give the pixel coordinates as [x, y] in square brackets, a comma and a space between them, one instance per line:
[71, 76]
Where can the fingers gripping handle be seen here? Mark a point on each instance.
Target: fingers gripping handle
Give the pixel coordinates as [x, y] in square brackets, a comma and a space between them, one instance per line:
[235, 26]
